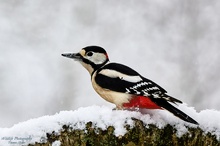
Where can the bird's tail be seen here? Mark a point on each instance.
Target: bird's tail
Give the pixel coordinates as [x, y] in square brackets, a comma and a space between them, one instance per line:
[166, 105]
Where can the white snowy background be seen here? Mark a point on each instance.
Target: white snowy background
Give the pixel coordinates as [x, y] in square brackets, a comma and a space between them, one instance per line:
[174, 43]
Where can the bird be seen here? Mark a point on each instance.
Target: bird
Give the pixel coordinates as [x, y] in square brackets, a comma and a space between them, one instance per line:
[122, 85]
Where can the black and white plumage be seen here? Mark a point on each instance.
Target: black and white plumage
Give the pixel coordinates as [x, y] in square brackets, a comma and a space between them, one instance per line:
[123, 86]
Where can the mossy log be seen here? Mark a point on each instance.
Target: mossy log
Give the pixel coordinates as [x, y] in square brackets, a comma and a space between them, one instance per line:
[140, 135]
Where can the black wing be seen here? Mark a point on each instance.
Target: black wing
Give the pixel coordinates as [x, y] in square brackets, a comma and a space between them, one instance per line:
[120, 84]
[117, 83]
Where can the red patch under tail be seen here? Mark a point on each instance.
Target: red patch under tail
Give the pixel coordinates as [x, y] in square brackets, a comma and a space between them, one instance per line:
[141, 102]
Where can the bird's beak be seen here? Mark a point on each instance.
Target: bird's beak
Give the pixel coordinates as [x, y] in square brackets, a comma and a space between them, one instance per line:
[75, 56]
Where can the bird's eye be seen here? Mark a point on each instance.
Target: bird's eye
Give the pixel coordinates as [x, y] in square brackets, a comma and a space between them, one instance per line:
[89, 53]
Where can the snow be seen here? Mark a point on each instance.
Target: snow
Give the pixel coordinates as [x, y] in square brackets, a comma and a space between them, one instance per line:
[56, 143]
[34, 130]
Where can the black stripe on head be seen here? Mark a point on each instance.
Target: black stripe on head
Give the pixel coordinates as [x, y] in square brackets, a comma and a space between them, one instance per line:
[94, 66]
[95, 49]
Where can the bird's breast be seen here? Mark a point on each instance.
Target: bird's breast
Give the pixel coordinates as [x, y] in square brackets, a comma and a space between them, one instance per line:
[114, 97]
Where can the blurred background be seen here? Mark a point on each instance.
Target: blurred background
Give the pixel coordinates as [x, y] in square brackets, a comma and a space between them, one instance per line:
[174, 43]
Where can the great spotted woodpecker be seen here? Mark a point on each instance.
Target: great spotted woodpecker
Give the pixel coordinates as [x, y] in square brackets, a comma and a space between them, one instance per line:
[123, 86]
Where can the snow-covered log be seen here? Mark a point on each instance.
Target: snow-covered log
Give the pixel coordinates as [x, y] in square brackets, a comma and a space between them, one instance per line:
[139, 134]
[97, 125]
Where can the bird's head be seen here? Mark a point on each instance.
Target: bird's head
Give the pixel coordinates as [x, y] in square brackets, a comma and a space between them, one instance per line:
[91, 57]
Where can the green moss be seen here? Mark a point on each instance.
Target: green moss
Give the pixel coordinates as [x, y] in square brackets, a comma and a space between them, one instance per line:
[140, 135]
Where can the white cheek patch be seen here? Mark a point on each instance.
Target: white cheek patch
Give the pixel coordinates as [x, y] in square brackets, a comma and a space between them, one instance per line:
[97, 58]
[115, 74]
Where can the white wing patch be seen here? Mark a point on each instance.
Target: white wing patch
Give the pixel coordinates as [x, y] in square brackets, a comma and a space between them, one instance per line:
[139, 87]
[142, 87]
[116, 74]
